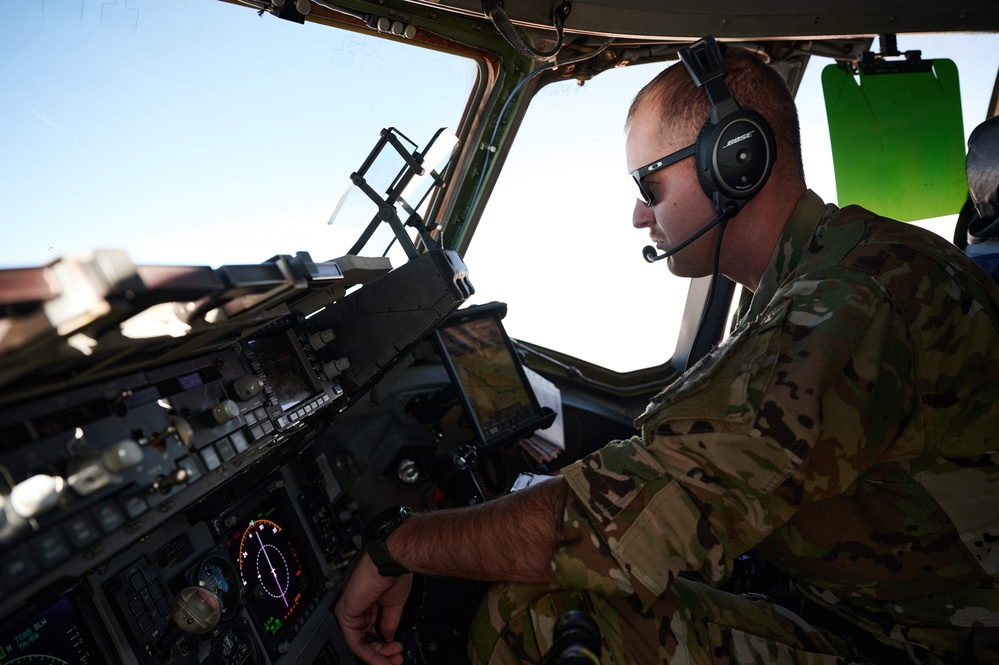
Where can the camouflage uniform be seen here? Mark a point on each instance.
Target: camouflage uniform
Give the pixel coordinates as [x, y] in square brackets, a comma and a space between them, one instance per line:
[847, 431]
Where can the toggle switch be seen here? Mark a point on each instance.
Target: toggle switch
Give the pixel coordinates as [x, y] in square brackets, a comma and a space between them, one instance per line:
[89, 474]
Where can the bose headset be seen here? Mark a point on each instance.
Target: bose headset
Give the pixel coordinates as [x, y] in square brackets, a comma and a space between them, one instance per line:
[734, 151]
[735, 147]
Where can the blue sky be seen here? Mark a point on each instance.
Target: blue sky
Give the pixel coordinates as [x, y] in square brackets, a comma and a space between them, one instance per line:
[194, 127]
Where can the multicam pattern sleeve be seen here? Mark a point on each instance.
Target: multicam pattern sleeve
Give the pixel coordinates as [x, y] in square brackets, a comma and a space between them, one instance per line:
[790, 409]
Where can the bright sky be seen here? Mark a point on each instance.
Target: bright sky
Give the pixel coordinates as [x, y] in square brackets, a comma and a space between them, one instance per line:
[196, 132]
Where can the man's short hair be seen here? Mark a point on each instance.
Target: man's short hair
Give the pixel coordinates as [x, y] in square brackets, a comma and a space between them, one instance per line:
[684, 109]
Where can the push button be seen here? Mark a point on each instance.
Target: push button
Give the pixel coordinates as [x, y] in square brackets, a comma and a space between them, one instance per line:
[138, 581]
[136, 606]
[190, 465]
[238, 441]
[210, 458]
[225, 449]
[135, 505]
[109, 517]
[82, 532]
[52, 548]
[144, 622]
[18, 568]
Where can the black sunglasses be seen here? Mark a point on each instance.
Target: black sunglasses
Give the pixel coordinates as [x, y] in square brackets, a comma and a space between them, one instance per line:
[640, 174]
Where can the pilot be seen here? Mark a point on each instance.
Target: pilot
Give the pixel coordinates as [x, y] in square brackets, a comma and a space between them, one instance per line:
[845, 433]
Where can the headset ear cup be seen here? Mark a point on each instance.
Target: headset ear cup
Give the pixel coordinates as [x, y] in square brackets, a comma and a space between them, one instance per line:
[738, 155]
[744, 155]
[735, 156]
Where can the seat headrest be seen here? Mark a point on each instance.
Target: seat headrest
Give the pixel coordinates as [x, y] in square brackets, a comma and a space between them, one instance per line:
[983, 180]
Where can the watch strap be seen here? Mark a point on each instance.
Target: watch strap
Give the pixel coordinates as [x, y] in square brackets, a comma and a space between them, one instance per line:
[375, 536]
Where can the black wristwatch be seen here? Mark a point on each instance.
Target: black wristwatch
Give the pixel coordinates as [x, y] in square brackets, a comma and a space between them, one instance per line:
[375, 535]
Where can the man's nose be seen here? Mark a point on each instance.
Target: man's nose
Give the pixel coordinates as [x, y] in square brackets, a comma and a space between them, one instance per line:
[642, 217]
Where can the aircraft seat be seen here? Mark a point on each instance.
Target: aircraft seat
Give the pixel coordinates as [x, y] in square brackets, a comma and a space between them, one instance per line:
[983, 185]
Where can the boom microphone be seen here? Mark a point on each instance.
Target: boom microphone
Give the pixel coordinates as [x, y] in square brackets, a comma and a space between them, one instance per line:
[649, 252]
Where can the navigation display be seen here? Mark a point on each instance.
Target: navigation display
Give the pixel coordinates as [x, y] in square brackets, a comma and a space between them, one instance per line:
[57, 635]
[273, 571]
[483, 362]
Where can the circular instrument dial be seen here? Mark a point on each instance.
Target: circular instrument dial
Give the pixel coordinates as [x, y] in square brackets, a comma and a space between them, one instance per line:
[271, 570]
[220, 577]
[235, 647]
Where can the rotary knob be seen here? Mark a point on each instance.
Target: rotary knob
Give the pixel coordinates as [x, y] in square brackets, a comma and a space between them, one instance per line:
[320, 339]
[36, 495]
[334, 368]
[247, 387]
[225, 411]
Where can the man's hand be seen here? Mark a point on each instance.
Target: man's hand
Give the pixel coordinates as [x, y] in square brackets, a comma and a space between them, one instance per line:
[472, 543]
[357, 612]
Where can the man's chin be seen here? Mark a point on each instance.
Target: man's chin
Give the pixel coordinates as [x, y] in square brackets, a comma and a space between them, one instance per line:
[681, 268]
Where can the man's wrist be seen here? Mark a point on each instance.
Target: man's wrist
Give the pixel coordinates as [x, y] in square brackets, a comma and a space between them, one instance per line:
[375, 539]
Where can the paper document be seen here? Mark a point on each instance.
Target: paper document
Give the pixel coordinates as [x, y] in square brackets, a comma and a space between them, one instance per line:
[546, 444]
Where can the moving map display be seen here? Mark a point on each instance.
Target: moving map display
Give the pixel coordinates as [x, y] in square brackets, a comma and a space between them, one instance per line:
[483, 362]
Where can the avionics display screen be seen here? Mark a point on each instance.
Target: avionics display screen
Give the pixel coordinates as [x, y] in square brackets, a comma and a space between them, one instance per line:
[273, 569]
[56, 635]
[284, 368]
[492, 382]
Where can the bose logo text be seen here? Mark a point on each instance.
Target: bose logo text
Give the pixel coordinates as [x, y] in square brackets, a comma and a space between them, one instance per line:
[738, 138]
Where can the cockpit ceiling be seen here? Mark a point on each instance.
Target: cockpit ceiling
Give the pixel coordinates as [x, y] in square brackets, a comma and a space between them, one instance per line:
[748, 19]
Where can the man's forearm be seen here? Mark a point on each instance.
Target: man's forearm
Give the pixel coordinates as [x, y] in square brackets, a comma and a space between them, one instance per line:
[511, 539]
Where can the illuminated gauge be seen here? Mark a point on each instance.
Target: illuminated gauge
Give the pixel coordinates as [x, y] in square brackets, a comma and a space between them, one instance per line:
[220, 577]
[235, 647]
[271, 570]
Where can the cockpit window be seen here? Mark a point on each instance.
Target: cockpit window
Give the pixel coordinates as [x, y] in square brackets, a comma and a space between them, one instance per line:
[197, 132]
[556, 240]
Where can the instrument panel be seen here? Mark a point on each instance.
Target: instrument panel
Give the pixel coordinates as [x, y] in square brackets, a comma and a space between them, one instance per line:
[233, 588]
[264, 574]
[160, 498]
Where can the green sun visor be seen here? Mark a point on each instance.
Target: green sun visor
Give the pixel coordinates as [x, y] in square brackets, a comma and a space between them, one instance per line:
[897, 140]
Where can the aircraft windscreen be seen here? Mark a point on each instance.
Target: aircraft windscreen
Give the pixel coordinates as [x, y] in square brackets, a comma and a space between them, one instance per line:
[197, 133]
